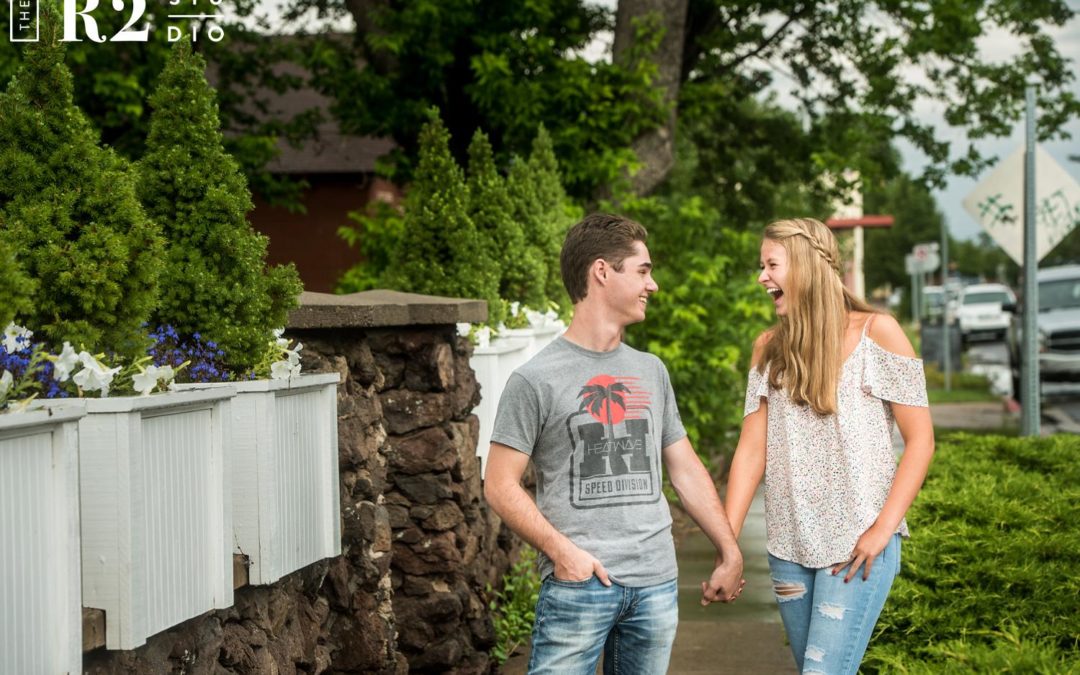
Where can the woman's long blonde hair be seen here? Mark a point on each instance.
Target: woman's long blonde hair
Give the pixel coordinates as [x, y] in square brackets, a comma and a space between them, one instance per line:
[805, 351]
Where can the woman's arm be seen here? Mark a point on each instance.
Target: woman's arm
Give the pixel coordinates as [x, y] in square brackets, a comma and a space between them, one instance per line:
[748, 464]
[917, 429]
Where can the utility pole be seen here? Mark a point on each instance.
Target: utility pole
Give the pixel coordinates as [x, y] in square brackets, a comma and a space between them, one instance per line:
[1030, 412]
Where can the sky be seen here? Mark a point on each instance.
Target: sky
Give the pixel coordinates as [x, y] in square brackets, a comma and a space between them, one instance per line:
[998, 46]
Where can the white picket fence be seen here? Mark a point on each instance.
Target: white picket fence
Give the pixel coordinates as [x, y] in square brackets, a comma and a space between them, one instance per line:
[493, 364]
[286, 506]
[156, 510]
[40, 609]
[135, 505]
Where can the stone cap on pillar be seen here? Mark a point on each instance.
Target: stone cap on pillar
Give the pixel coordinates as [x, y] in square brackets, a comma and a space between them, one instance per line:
[381, 308]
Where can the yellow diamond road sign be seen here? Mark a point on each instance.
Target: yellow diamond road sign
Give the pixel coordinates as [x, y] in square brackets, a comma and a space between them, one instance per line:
[997, 203]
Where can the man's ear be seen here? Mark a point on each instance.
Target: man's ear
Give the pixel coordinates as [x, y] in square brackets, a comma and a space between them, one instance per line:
[599, 271]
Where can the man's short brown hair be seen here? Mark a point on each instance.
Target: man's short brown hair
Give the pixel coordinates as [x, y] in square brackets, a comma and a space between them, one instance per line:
[597, 236]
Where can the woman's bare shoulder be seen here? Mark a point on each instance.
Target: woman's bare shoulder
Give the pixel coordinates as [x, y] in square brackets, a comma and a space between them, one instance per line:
[887, 332]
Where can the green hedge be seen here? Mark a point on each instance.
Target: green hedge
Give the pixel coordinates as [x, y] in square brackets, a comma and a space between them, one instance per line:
[991, 577]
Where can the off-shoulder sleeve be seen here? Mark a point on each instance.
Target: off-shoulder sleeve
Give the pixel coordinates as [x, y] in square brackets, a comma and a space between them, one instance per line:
[892, 377]
[756, 387]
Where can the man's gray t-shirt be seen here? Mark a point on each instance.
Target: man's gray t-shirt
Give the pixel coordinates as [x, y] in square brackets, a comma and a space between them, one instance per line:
[594, 424]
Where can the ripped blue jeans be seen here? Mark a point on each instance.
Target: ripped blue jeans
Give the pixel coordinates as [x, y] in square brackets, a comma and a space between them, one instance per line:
[828, 622]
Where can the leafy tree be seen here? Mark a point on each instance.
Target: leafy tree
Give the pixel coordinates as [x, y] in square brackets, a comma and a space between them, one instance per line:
[69, 208]
[984, 259]
[503, 67]
[489, 204]
[215, 281]
[917, 220]
[437, 253]
[509, 68]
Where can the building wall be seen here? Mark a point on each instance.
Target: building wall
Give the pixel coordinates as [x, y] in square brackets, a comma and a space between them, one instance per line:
[310, 239]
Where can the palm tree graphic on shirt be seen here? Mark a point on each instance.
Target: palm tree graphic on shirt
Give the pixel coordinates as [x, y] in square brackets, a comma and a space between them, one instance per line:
[599, 400]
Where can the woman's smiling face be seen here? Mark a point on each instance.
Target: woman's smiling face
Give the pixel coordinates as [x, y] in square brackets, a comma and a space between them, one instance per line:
[774, 271]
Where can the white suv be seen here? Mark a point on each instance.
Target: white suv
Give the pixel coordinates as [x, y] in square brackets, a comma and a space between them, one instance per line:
[981, 314]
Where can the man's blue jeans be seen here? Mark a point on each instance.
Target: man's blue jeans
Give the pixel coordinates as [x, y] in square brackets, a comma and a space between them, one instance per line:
[635, 627]
[828, 622]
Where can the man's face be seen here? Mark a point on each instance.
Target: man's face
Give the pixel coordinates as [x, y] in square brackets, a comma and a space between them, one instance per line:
[631, 288]
[774, 270]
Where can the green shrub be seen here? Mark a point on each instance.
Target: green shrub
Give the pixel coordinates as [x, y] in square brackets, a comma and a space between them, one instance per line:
[376, 233]
[513, 609]
[438, 250]
[991, 575]
[215, 281]
[68, 208]
[704, 319]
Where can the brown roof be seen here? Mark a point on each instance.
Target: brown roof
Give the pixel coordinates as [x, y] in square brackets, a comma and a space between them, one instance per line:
[330, 151]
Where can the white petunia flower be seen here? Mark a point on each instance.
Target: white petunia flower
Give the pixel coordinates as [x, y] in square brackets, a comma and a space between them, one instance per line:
[166, 375]
[463, 329]
[145, 381]
[64, 363]
[6, 381]
[16, 338]
[283, 370]
[483, 337]
[94, 376]
[278, 340]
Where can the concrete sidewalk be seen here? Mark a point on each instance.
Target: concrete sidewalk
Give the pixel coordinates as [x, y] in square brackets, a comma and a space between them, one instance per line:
[743, 637]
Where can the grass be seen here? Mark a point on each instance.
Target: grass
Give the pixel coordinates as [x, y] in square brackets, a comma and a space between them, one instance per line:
[961, 396]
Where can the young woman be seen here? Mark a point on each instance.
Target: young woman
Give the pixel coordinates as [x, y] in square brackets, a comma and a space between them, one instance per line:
[826, 384]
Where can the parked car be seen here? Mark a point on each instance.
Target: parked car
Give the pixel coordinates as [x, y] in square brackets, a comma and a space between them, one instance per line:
[937, 304]
[1058, 324]
[984, 312]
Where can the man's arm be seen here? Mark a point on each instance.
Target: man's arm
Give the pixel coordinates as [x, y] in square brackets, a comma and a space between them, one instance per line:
[503, 491]
[697, 492]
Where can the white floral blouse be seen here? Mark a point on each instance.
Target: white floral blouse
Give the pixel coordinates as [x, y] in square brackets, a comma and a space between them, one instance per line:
[827, 477]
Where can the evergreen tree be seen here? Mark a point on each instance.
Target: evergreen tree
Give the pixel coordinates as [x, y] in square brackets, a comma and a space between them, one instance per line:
[525, 198]
[556, 213]
[16, 287]
[68, 207]
[216, 281]
[441, 252]
[544, 211]
[492, 209]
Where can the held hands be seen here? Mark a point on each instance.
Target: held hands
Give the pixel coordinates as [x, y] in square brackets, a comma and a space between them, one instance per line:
[725, 584]
[576, 564]
[869, 547]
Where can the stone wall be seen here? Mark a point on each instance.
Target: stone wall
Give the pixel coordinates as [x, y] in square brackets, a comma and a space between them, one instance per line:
[419, 546]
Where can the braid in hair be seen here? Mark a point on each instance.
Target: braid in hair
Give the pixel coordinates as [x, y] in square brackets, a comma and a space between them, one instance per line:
[828, 254]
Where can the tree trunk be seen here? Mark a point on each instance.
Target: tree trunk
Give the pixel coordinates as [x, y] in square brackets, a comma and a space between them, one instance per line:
[655, 149]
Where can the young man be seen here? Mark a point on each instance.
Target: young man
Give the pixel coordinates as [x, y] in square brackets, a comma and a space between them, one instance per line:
[596, 418]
